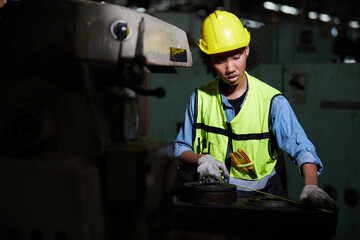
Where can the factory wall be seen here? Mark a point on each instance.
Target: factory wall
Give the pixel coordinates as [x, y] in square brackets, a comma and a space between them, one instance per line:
[295, 43]
[326, 103]
[323, 95]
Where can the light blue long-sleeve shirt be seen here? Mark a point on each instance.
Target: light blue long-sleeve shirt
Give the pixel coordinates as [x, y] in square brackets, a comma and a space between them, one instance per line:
[290, 136]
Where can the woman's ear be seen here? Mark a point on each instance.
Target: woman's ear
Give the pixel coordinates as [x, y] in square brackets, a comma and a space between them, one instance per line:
[247, 50]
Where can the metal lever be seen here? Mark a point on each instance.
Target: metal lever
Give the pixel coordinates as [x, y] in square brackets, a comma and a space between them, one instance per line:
[133, 71]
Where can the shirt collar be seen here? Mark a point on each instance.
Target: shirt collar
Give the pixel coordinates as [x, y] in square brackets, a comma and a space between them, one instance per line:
[225, 101]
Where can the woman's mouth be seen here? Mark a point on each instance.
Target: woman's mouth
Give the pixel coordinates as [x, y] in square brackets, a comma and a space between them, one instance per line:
[232, 78]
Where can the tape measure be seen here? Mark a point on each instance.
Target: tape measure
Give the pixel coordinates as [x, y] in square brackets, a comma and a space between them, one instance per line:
[282, 198]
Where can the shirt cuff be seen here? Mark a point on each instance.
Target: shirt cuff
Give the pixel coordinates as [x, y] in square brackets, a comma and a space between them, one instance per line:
[309, 156]
[179, 148]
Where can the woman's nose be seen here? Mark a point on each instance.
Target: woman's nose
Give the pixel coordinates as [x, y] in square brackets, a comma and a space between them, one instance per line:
[229, 67]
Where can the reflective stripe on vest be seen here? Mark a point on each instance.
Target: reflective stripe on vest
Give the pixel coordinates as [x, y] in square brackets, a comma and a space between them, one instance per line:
[249, 130]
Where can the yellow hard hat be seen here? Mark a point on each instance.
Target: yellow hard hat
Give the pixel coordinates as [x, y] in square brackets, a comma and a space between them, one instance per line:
[222, 31]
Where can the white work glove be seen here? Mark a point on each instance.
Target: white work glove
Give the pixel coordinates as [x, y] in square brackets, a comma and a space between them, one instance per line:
[314, 197]
[207, 165]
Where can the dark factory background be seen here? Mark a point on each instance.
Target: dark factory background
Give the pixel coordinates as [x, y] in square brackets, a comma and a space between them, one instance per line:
[88, 111]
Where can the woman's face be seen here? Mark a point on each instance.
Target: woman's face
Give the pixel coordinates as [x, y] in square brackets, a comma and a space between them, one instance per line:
[231, 65]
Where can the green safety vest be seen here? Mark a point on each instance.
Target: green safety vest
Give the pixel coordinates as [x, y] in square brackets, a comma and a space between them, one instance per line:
[249, 130]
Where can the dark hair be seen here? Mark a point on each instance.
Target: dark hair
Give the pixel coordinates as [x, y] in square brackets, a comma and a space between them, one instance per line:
[254, 59]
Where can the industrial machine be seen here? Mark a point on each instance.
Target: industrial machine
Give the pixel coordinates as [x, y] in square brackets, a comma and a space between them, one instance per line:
[211, 210]
[76, 160]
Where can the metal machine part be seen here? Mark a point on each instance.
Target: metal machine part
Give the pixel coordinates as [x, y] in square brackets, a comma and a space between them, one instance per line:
[211, 180]
[196, 211]
[211, 191]
[87, 30]
[125, 42]
[268, 201]
[72, 73]
[50, 199]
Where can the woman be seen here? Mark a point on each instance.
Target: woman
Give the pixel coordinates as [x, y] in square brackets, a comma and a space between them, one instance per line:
[236, 116]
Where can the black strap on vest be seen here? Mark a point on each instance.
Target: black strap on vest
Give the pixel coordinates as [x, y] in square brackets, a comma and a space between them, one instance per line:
[229, 148]
[238, 137]
[231, 136]
[228, 132]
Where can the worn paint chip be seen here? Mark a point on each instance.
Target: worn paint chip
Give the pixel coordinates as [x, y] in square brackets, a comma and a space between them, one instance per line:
[178, 55]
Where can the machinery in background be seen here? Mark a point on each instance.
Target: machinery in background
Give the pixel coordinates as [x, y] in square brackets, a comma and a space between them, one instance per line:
[76, 161]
